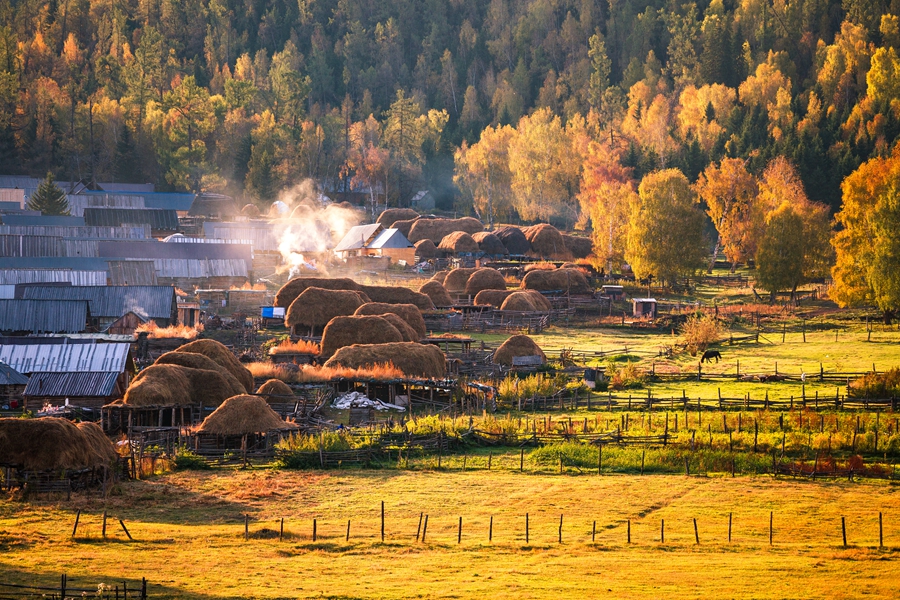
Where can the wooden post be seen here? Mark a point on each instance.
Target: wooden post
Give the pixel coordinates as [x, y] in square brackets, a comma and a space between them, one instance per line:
[490, 459]
[347, 539]
[315, 537]
[880, 531]
[729, 527]
[526, 528]
[629, 531]
[599, 459]
[281, 530]
[491, 529]
[687, 469]
[424, 529]
[382, 521]
[771, 520]
[696, 534]
[662, 531]
[77, 518]
[125, 529]
[522, 460]
[844, 530]
[103, 530]
[643, 456]
[459, 532]
[594, 532]
[246, 527]
[560, 528]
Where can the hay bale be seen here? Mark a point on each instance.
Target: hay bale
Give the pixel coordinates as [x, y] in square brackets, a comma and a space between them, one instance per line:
[406, 332]
[397, 295]
[408, 312]
[485, 279]
[389, 216]
[459, 242]
[194, 360]
[364, 329]
[546, 241]
[514, 240]
[53, 444]
[517, 345]
[315, 306]
[456, 280]
[493, 298]
[275, 391]
[437, 229]
[439, 276]
[490, 243]
[539, 300]
[101, 449]
[293, 288]
[404, 226]
[437, 292]
[243, 415]
[570, 281]
[426, 249]
[160, 385]
[518, 301]
[250, 210]
[579, 247]
[223, 356]
[415, 360]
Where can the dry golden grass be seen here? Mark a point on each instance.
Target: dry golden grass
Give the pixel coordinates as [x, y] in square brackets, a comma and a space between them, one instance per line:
[314, 374]
[298, 347]
[172, 331]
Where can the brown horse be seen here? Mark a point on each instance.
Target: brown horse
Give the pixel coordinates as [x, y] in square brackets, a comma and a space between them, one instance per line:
[711, 354]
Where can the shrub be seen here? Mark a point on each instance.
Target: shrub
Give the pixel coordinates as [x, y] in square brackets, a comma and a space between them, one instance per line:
[699, 332]
[877, 385]
[186, 460]
[626, 377]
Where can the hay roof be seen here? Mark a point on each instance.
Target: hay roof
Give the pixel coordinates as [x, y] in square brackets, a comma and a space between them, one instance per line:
[414, 360]
[275, 390]
[546, 241]
[491, 297]
[222, 355]
[437, 292]
[426, 249]
[485, 279]
[397, 295]
[571, 281]
[51, 444]
[408, 312]
[242, 415]
[579, 247]
[315, 306]
[514, 240]
[364, 329]
[193, 360]
[389, 216]
[517, 345]
[294, 287]
[456, 280]
[439, 276]
[459, 242]
[489, 243]
[404, 226]
[436, 229]
[406, 332]
[250, 210]
[175, 385]
[518, 301]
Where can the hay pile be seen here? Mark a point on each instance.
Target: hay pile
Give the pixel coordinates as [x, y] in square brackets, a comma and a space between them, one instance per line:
[426, 249]
[250, 210]
[485, 279]
[491, 297]
[517, 345]
[242, 415]
[406, 332]
[389, 216]
[489, 243]
[546, 241]
[52, 444]
[456, 280]
[408, 312]
[519, 301]
[404, 225]
[223, 356]
[193, 360]
[315, 306]
[414, 360]
[175, 385]
[513, 240]
[365, 329]
[579, 247]
[439, 276]
[459, 242]
[539, 300]
[437, 229]
[289, 291]
[275, 390]
[397, 295]
[571, 281]
[437, 292]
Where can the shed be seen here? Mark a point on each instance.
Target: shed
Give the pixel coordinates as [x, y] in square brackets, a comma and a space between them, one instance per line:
[422, 201]
[644, 307]
[108, 303]
[17, 276]
[83, 389]
[615, 292]
[161, 221]
[12, 385]
[375, 240]
[44, 316]
[132, 272]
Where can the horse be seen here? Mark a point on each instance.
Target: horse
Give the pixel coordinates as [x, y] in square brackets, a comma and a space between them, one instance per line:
[711, 354]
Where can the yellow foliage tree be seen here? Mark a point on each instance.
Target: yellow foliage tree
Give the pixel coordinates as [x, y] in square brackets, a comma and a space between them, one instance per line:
[482, 170]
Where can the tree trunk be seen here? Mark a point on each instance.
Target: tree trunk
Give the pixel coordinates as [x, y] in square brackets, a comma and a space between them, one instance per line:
[712, 262]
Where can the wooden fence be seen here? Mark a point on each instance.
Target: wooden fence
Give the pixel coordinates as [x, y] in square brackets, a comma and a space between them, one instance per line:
[66, 590]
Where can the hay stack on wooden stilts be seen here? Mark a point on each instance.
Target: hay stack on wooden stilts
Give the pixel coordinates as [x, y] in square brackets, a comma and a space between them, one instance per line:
[314, 307]
[517, 345]
[275, 391]
[490, 243]
[366, 329]
[458, 242]
[578, 247]
[294, 287]
[546, 241]
[456, 280]
[570, 281]
[518, 301]
[485, 279]
[53, 444]
[414, 360]
[439, 276]
[243, 415]
[437, 292]
[192, 360]
[389, 216]
[426, 249]
[436, 229]
[408, 312]
[223, 356]
[397, 295]
[513, 240]
[493, 298]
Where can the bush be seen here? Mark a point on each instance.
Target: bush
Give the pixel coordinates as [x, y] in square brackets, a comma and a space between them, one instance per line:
[626, 377]
[186, 460]
[699, 332]
[573, 454]
[877, 385]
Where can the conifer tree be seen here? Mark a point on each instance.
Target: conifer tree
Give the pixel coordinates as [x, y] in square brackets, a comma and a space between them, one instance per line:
[49, 198]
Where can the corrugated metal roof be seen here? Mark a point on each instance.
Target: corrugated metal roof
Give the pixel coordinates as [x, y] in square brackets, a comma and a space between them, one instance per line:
[60, 355]
[9, 376]
[357, 237]
[15, 276]
[177, 201]
[158, 218]
[109, 233]
[262, 235]
[74, 385]
[79, 202]
[44, 316]
[7, 291]
[181, 268]
[140, 188]
[113, 301]
[74, 263]
[132, 272]
[390, 238]
[43, 220]
[30, 245]
[80, 247]
[152, 250]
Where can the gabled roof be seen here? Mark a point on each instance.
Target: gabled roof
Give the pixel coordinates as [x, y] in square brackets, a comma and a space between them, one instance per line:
[113, 301]
[178, 201]
[44, 316]
[43, 220]
[86, 384]
[151, 249]
[390, 238]
[9, 376]
[158, 218]
[142, 188]
[61, 355]
[358, 237]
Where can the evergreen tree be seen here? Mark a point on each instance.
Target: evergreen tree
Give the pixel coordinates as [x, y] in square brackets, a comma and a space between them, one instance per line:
[49, 198]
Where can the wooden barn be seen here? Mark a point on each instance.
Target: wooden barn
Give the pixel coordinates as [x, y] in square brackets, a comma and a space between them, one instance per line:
[376, 241]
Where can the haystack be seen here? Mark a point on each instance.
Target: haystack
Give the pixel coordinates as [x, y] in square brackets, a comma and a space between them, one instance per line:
[315, 306]
[404, 225]
[100, 447]
[293, 288]
[366, 329]
[546, 241]
[437, 292]
[518, 301]
[390, 216]
[489, 243]
[439, 276]
[571, 281]
[408, 312]
[250, 210]
[459, 242]
[426, 249]
[160, 385]
[193, 360]
[485, 279]
[406, 332]
[538, 299]
[437, 229]
[53, 444]
[397, 295]
[517, 345]
[514, 240]
[223, 356]
[579, 247]
[275, 390]
[456, 280]
[491, 297]
[243, 415]
[415, 360]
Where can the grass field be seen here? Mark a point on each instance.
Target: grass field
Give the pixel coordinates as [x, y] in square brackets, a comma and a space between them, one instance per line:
[190, 542]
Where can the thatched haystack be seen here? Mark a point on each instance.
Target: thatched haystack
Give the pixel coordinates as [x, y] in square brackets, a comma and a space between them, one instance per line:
[579, 247]
[389, 216]
[406, 332]
[53, 444]
[223, 356]
[251, 211]
[408, 312]
[397, 295]
[193, 360]
[437, 292]
[513, 240]
[275, 391]
[518, 301]
[485, 279]
[571, 281]
[414, 360]
[540, 266]
[493, 298]
[293, 288]
[160, 385]
[315, 306]
[489, 243]
[364, 329]
[458, 242]
[426, 249]
[99, 446]
[538, 299]
[404, 225]
[439, 276]
[517, 345]
[546, 241]
[437, 229]
[243, 415]
[456, 280]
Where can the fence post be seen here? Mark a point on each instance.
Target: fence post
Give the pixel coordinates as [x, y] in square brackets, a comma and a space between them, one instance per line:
[382, 521]
[246, 527]
[880, 531]
[771, 519]
[77, 518]
[696, 534]
[526, 528]
[662, 531]
[729, 528]
[629, 531]
[844, 531]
